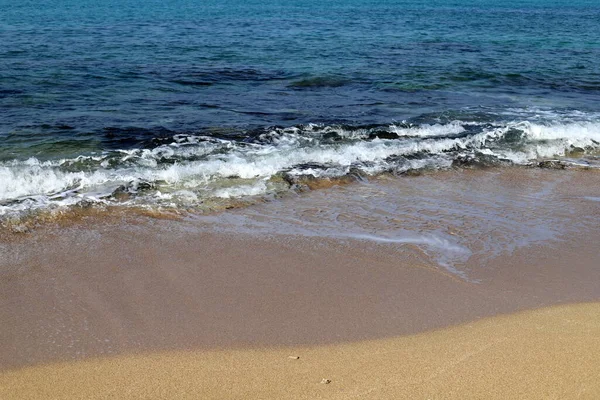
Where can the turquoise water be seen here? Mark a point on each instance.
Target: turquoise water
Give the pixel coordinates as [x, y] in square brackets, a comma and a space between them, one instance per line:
[193, 100]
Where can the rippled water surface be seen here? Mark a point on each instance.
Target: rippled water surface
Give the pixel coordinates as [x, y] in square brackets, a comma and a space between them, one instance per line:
[186, 102]
[460, 219]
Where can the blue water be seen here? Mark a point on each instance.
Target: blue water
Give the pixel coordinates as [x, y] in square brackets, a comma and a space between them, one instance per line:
[97, 95]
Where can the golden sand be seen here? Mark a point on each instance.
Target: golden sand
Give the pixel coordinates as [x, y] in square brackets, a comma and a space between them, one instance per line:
[551, 353]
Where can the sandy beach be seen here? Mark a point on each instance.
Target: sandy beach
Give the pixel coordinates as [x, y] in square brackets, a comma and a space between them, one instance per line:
[132, 307]
[551, 353]
[301, 199]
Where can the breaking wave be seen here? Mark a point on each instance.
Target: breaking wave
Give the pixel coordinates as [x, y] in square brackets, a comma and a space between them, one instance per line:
[192, 169]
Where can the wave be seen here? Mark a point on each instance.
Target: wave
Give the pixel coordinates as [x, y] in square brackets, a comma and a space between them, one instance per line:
[189, 170]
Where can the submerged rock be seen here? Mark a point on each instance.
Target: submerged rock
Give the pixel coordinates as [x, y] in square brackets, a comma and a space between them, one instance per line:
[552, 164]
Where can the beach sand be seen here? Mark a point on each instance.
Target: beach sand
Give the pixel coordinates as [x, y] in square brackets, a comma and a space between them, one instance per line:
[128, 307]
[550, 353]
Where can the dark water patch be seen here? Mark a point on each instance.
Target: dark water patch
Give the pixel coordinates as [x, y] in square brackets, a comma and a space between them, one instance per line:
[469, 75]
[192, 83]
[317, 82]
[244, 75]
[224, 132]
[211, 76]
[411, 86]
[51, 127]
[64, 127]
[250, 112]
[10, 92]
[445, 46]
[115, 138]
[589, 85]
[207, 105]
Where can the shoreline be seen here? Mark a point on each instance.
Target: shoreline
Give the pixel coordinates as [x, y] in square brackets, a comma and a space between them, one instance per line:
[15, 225]
[294, 272]
[544, 353]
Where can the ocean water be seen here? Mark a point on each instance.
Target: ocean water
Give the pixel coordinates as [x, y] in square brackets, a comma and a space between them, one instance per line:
[191, 103]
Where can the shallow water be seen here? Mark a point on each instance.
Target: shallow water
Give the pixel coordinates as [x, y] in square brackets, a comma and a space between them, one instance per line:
[180, 104]
[460, 220]
[384, 257]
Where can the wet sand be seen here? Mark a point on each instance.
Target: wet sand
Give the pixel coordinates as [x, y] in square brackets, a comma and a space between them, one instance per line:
[168, 294]
[542, 354]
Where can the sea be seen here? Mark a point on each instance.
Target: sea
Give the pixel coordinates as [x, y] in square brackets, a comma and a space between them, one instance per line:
[199, 105]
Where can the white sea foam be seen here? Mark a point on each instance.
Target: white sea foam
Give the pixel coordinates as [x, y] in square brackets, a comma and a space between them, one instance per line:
[427, 130]
[241, 191]
[195, 164]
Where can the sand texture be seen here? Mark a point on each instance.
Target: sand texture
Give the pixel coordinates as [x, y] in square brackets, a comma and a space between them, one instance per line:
[393, 288]
[551, 353]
